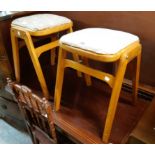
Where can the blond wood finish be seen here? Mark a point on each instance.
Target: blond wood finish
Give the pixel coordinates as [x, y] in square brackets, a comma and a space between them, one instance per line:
[25, 34]
[15, 50]
[123, 57]
[87, 77]
[76, 57]
[135, 77]
[53, 51]
[59, 78]
[89, 71]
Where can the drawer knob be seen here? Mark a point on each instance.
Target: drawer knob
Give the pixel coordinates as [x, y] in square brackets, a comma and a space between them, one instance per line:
[4, 106]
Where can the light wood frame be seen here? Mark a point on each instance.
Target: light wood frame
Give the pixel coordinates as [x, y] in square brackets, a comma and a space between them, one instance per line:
[26, 35]
[123, 57]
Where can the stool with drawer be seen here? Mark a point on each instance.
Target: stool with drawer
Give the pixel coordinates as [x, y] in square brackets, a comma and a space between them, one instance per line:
[104, 45]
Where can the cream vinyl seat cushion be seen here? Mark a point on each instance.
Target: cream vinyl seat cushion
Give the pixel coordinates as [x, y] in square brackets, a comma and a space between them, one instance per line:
[40, 21]
[99, 40]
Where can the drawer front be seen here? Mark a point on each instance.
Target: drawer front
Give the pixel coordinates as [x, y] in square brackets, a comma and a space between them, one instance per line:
[11, 113]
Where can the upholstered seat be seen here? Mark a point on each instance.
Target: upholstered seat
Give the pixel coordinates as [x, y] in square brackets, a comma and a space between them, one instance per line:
[40, 21]
[99, 40]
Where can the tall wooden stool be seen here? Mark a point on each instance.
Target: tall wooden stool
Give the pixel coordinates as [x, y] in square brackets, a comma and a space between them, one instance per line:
[36, 26]
[103, 45]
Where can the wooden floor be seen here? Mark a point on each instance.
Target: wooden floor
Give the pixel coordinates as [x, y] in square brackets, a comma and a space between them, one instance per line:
[85, 107]
[86, 115]
[144, 132]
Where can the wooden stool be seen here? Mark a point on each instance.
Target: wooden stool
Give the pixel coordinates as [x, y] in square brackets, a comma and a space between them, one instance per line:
[36, 26]
[103, 45]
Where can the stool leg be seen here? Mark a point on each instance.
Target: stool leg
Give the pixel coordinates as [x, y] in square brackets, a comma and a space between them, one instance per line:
[75, 56]
[59, 78]
[36, 65]
[86, 76]
[115, 66]
[53, 52]
[53, 55]
[15, 51]
[114, 99]
[135, 79]
[85, 61]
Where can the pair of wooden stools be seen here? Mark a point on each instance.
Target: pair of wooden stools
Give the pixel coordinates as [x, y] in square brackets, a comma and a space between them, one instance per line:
[99, 44]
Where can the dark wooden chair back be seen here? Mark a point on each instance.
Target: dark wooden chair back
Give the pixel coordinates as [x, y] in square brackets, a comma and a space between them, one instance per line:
[37, 113]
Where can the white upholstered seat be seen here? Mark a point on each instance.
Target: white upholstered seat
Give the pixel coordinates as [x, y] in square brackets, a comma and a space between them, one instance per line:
[99, 40]
[40, 21]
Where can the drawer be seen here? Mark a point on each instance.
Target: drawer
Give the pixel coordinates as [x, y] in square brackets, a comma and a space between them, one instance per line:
[11, 113]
